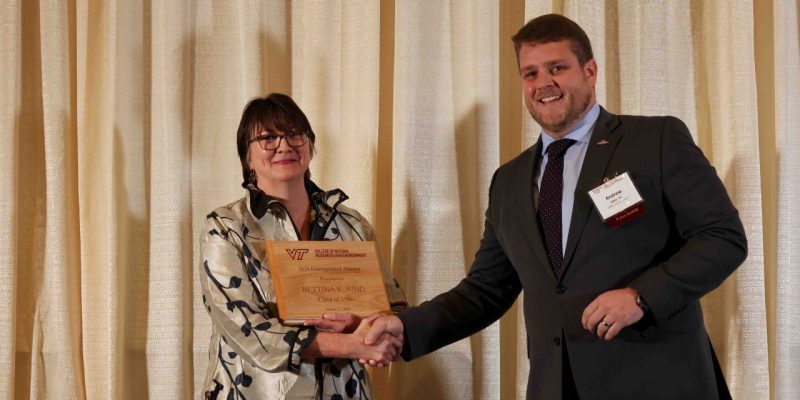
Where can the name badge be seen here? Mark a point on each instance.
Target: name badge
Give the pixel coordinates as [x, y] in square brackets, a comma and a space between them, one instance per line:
[617, 200]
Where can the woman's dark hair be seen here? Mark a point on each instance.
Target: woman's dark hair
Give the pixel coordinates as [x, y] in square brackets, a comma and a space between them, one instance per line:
[276, 112]
[554, 28]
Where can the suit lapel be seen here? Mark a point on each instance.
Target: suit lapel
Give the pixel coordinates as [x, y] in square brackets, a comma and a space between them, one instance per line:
[525, 203]
[602, 144]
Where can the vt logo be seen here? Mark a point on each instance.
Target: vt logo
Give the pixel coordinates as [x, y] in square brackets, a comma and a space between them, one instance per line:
[297, 254]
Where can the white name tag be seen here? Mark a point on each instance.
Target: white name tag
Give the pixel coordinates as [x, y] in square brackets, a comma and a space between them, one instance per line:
[617, 200]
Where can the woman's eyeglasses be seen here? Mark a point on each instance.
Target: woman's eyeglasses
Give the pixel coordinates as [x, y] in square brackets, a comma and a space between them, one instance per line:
[271, 141]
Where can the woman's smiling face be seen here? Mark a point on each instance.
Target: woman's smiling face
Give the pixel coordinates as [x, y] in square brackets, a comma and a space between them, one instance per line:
[281, 165]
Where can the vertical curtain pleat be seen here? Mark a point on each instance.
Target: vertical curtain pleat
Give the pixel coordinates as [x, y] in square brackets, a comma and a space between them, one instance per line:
[57, 319]
[728, 133]
[131, 178]
[474, 43]
[424, 195]
[786, 348]
[335, 69]
[30, 178]
[655, 71]
[112, 179]
[170, 302]
[10, 115]
[46, 316]
[98, 196]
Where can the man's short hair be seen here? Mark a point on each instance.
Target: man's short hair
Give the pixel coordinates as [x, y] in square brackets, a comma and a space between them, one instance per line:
[554, 28]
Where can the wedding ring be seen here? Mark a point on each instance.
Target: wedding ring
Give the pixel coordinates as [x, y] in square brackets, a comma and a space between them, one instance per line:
[607, 324]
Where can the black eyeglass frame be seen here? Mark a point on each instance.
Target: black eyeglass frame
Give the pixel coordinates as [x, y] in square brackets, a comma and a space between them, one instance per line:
[288, 137]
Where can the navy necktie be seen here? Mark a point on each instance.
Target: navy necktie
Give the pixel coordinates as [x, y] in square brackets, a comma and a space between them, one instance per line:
[550, 195]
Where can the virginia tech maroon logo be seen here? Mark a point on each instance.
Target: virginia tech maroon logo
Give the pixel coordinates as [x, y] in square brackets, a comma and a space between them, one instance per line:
[297, 254]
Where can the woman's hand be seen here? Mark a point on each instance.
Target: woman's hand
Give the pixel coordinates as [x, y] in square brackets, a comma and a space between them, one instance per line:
[384, 348]
[335, 322]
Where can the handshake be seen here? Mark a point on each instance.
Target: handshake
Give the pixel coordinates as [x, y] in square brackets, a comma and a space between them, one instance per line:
[375, 340]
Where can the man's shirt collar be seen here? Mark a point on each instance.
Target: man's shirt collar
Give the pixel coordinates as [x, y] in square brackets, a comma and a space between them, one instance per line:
[581, 133]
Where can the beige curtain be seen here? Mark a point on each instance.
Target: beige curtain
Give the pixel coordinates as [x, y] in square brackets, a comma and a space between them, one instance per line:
[117, 124]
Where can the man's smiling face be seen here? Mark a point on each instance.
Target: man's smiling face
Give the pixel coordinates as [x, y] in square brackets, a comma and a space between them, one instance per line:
[558, 91]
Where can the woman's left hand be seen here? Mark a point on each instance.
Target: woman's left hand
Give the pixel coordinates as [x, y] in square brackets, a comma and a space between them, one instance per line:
[335, 322]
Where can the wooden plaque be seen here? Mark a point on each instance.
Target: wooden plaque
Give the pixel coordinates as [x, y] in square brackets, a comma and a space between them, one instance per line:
[312, 278]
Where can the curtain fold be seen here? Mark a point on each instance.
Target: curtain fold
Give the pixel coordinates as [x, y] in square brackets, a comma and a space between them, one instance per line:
[12, 346]
[336, 71]
[786, 297]
[118, 124]
[444, 151]
[423, 194]
[728, 133]
[170, 267]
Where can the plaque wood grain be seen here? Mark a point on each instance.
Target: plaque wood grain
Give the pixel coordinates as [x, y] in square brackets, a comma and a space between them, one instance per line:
[312, 278]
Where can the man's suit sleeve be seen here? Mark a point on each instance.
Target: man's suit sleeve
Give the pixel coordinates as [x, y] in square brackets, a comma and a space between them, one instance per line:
[488, 291]
[703, 216]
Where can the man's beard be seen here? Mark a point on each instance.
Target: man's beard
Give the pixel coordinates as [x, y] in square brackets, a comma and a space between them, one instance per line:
[574, 111]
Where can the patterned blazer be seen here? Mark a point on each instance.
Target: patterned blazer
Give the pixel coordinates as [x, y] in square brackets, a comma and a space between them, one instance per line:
[251, 354]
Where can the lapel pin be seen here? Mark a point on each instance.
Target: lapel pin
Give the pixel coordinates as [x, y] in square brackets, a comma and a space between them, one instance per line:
[602, 142]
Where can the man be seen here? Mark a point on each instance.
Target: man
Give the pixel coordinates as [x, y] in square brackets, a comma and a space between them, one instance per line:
[611, 299]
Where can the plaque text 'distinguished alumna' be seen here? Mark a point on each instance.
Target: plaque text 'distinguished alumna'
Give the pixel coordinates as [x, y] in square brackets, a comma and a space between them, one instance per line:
[312, 278]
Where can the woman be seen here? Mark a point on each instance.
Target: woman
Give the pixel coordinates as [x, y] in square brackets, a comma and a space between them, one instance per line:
[252, 355]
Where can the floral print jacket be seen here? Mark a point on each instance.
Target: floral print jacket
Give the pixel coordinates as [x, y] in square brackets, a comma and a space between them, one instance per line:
[251, 354]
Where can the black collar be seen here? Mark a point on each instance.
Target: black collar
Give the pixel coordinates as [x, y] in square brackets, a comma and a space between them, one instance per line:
[261, 202]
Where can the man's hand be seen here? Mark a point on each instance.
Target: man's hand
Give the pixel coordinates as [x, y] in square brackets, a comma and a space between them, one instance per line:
[384, 324]
[382, 328]
[387, 343]
[335, 322]
[610, 312]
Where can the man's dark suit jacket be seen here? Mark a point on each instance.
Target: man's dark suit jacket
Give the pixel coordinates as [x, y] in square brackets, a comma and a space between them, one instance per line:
[687, 241]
